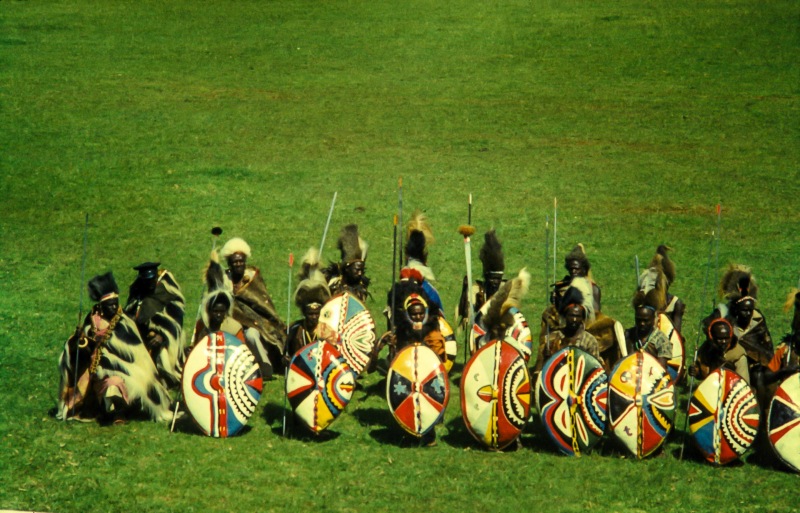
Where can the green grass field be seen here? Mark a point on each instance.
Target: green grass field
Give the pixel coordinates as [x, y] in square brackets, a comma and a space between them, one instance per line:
[163, 119]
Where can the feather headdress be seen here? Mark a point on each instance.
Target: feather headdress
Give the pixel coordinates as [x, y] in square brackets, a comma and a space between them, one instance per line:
[491, 254]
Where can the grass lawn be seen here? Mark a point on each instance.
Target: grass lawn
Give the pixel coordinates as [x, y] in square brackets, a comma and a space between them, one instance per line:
[163, 119]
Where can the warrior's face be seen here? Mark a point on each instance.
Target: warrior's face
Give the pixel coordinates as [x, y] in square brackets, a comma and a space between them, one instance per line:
[108, 308]
[237, 263]
[491, 282]
[217, 314]
[575, 269]
[721, 336]
[353, 272]
[573, 319]
[311, 315]
[416, 312]
[645, 321]
[744, 312]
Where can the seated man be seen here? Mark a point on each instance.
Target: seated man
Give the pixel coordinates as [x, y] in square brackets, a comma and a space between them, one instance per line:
[253, 306]
[106, 370]
[720, 350]
[156, 304]
[645, 337]
[572, 334]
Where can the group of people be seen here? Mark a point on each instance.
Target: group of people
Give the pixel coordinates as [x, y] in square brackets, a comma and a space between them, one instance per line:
[122, 361]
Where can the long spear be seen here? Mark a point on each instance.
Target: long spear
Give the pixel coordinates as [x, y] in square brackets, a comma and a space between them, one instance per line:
[555, 236]
[697, 343]
[394, 273]
[215, 233]
[400, 217]
[636, 264]
[285, 349]
[325, 232]
[80, 307]
[718, 232]
[547, 274]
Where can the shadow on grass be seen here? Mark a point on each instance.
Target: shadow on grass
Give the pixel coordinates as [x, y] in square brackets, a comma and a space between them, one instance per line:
[383, 428]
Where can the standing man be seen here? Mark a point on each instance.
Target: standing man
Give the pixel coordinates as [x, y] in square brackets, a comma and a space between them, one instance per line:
[253, 306]
[156, 304]
[578, 266]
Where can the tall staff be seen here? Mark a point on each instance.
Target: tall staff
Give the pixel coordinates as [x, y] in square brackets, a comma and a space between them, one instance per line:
[699, 332]
[325, 231]
[80, 307]
[215, 233]
[286, 348]
[467, 231]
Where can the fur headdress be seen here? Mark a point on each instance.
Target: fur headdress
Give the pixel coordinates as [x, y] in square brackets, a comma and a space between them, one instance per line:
[654, 281]
[578, 291]
[509, 295]
[668, 266]
[218, 287]
[578, 253]
[738, 283]
[103, 287]
[313, 287]
[235, 245]
[491, 254]
[351, 246]
[418, 237]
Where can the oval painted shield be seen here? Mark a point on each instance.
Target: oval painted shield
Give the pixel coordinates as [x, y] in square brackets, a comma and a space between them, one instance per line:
[641, 403]
[571, 395]
[450, 343]
[417, 389]
[346, 322]
[723, 416]
[783, 422]
[676, 364]
[518, 334]
[495, 394]
[319, 384]
[221, 384]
